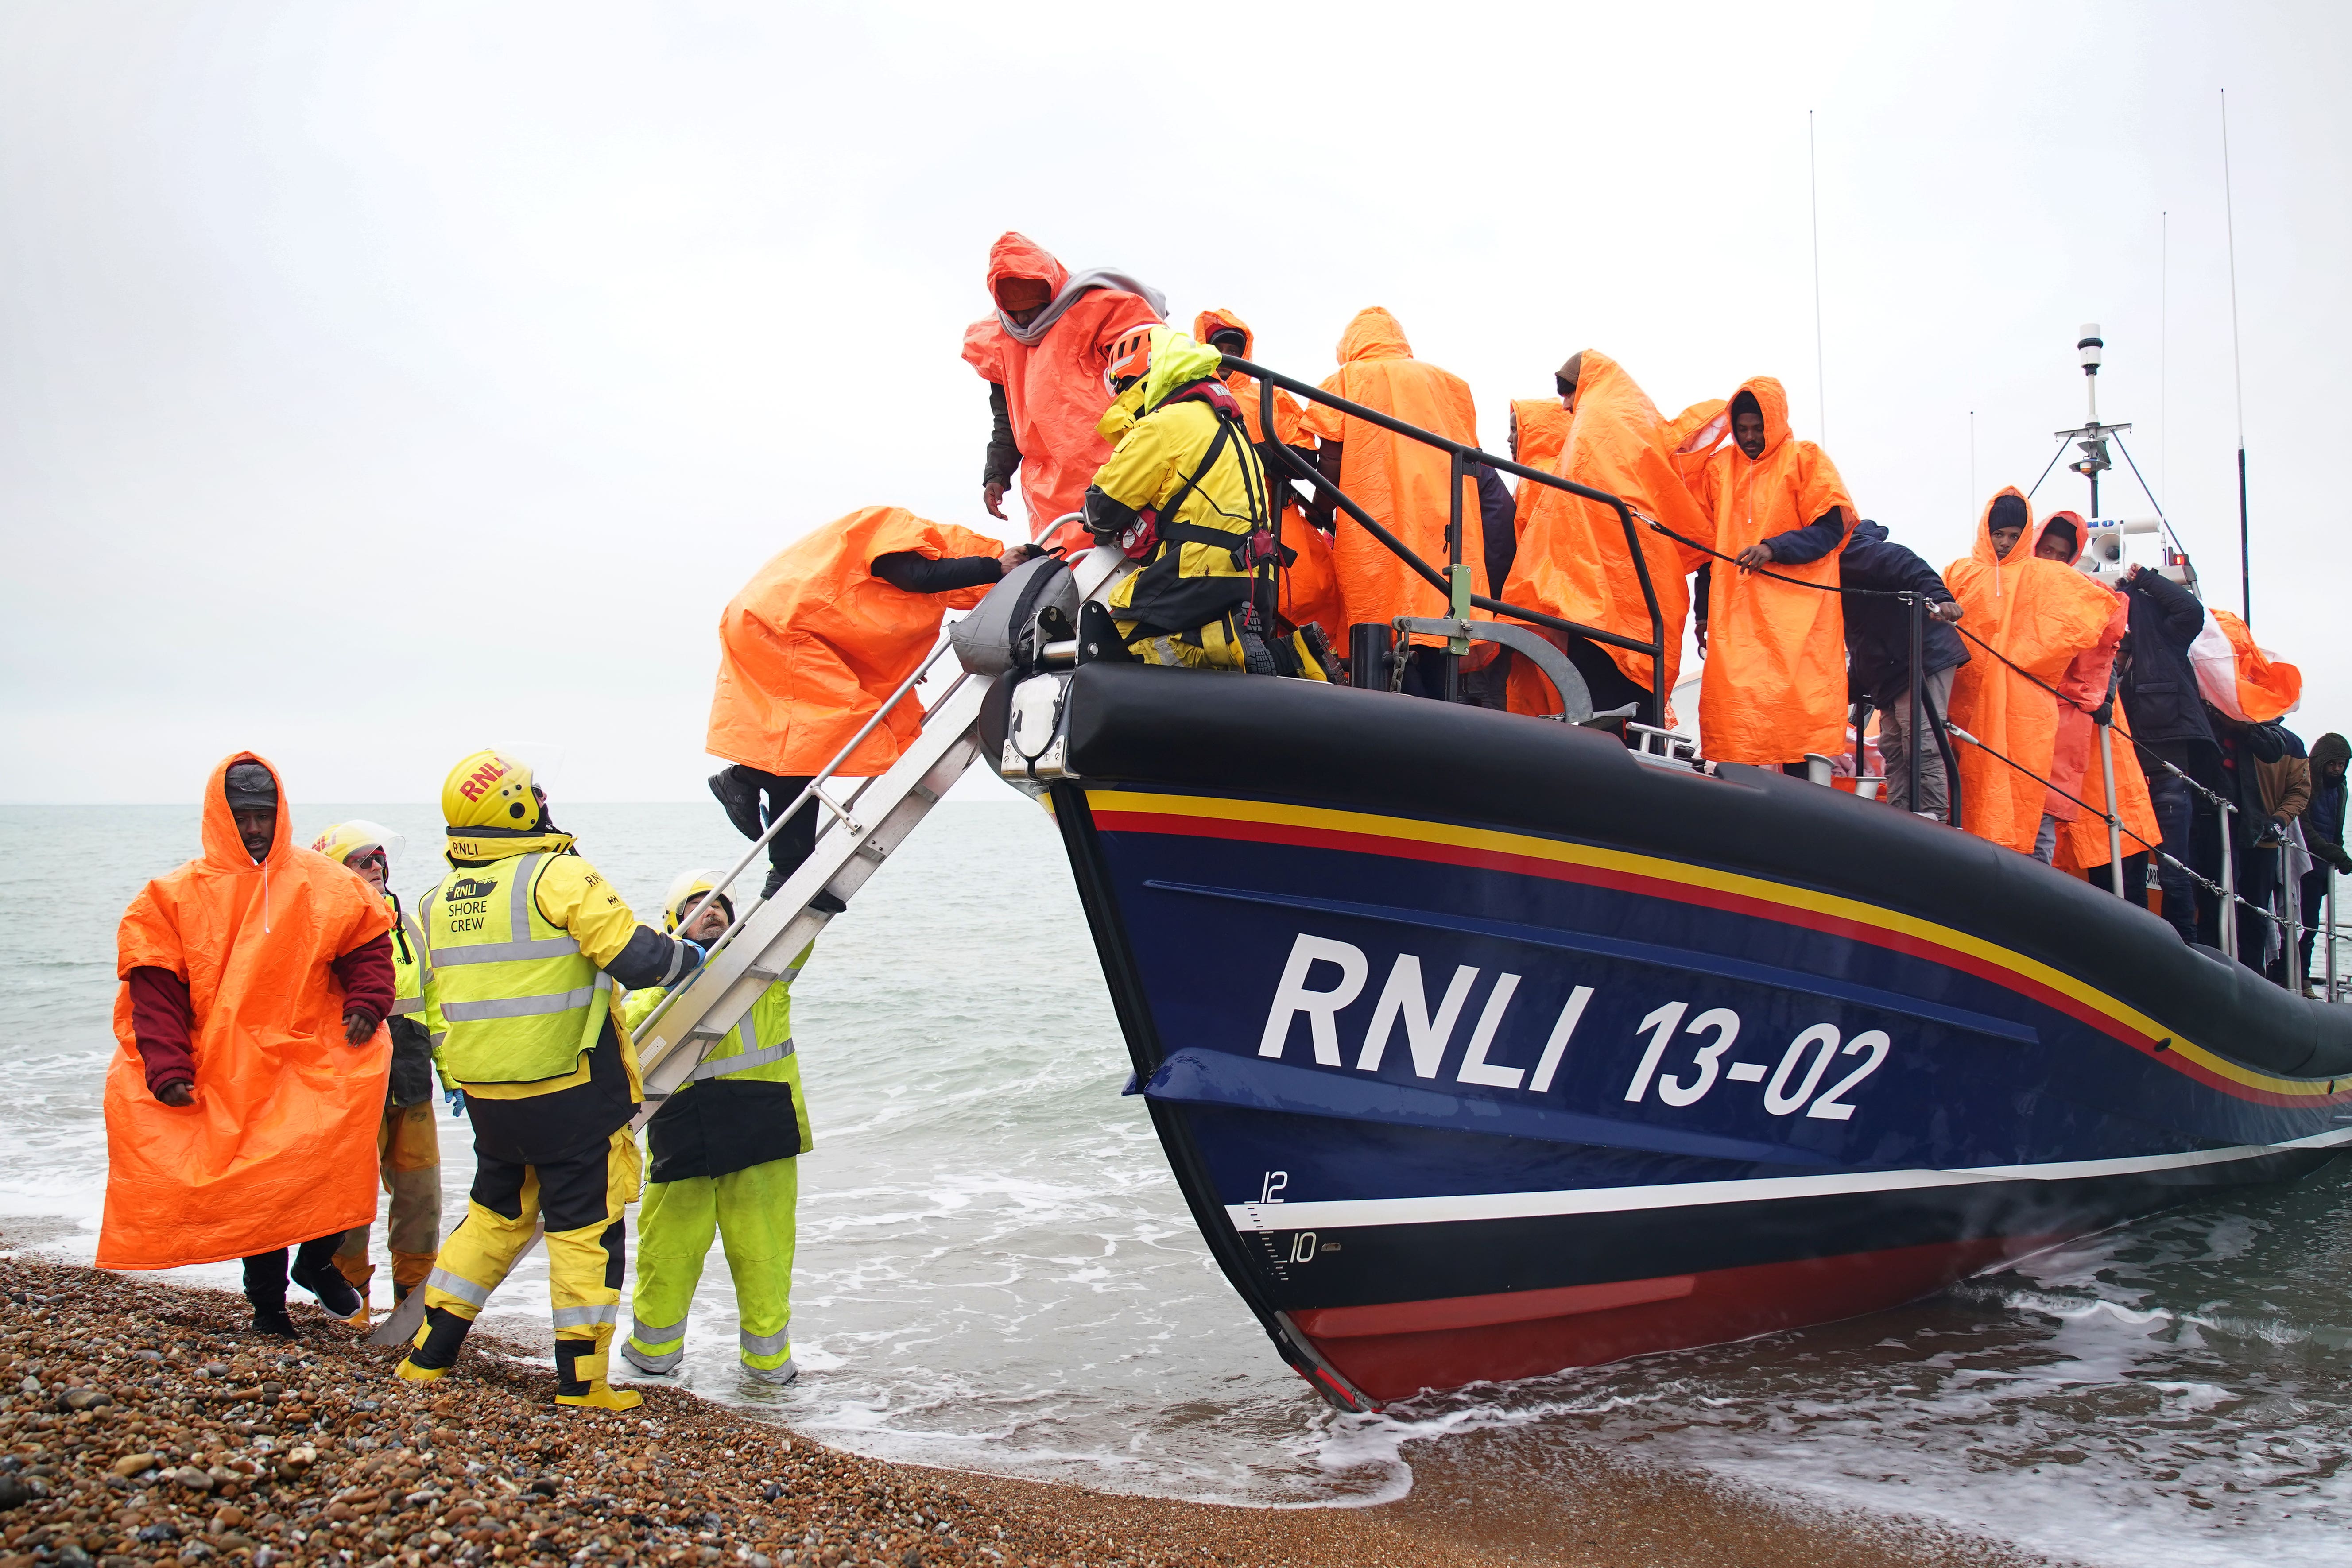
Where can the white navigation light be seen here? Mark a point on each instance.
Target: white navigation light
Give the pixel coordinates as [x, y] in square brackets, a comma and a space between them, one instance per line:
[2091, 346]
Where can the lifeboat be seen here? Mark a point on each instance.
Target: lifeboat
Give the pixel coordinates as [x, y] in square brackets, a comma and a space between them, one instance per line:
[1483, 1047]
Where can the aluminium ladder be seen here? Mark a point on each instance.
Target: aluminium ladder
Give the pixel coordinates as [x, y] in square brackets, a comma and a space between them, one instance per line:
[854, 835]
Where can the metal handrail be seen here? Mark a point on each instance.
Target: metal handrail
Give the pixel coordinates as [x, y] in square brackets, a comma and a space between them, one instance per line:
[840, 810]
[1451, 583]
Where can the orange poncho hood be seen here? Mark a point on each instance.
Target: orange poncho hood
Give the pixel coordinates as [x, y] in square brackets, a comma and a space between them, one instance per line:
[1373, 334]
[1772, 402]
[1244, 388]
[279, 1146]
[1212, 321]
[1015, 255]
[2041, 531]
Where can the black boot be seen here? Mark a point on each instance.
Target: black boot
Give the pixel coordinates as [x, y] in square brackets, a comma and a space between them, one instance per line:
[314, 1270]
[265, 1287]
[740, 799]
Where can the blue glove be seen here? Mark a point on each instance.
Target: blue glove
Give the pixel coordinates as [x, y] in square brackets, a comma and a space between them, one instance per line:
[701, 953]
[456, 1099]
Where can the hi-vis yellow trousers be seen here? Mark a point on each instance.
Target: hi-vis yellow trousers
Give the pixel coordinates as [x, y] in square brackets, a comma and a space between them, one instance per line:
[580, 1203]
[752, 1211]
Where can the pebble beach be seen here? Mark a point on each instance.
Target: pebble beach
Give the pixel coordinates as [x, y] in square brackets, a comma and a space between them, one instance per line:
[145, 1423]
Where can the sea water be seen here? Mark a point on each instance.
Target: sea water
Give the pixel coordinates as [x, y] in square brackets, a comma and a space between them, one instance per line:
[997, 1272]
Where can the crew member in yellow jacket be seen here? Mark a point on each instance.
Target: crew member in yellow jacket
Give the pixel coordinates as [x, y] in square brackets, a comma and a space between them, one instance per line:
[724, 1149]
[407, 1147]
[527, 942]
[1183, 496]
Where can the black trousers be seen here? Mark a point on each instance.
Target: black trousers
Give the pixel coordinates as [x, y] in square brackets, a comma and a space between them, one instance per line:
[793, 841]
[2257, 873]
[2315, 914]
[2175, 822]
[265, 1272]
[2135, 878]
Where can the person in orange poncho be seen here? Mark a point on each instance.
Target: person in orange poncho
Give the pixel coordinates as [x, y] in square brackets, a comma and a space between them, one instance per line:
[1538, 433]
[2037, 614]
[1574, 560]
[1310, 590]
[1775, 683]
[814, 645]
[1401, 482]
[242, 1101]
[2080, 839]
[1042, 354]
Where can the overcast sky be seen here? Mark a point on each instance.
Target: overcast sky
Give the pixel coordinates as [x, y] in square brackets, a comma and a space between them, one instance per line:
[382, 381]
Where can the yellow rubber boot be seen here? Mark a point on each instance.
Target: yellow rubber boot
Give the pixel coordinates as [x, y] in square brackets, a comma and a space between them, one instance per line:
[580, 1368]
[408, 1371]
[603, 1396]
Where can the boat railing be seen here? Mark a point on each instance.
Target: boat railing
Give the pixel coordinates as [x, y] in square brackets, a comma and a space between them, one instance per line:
[1455, 581]
[1668, 745]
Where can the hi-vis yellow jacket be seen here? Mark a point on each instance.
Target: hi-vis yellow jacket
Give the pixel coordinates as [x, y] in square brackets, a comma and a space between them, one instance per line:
[519, 934]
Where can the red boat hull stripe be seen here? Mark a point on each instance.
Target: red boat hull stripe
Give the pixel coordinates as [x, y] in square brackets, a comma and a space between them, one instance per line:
[1481, 1312]
[1712, 1308]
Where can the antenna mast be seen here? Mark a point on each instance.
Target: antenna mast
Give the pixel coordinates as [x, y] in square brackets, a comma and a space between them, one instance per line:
[2238, 372]
[1821, 374]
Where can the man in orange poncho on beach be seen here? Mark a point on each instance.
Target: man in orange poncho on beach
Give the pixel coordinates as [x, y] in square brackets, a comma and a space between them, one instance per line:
[1042, 354]
[1775, 685]
[814, 645]
[1573, 558]
[2035, 615]
[242, 1102]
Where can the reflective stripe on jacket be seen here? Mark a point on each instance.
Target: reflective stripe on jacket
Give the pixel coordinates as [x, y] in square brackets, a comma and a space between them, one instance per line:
[512, 999]
[412, 966]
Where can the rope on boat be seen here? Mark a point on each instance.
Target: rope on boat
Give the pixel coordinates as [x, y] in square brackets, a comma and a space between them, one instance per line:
[1907, 595]
[2229, 895]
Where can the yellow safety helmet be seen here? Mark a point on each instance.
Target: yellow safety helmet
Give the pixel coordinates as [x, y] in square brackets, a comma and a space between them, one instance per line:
[489, 789]
[341, 842]
[686, 887]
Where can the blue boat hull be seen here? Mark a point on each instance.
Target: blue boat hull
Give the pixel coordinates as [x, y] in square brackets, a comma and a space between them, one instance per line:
[1457, 1098]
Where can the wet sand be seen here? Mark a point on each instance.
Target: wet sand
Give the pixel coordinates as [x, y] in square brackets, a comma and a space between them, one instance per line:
[142, 1422]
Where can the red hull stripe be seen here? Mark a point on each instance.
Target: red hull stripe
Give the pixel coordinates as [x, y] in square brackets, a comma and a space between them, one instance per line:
[1481, 1311]
[1717, 1307]
[1690, 885]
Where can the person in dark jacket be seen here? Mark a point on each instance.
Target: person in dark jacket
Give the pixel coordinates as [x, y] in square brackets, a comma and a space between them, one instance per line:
[2323, 834]
[2169, 723]
[1878, 660]
[2266, 777]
